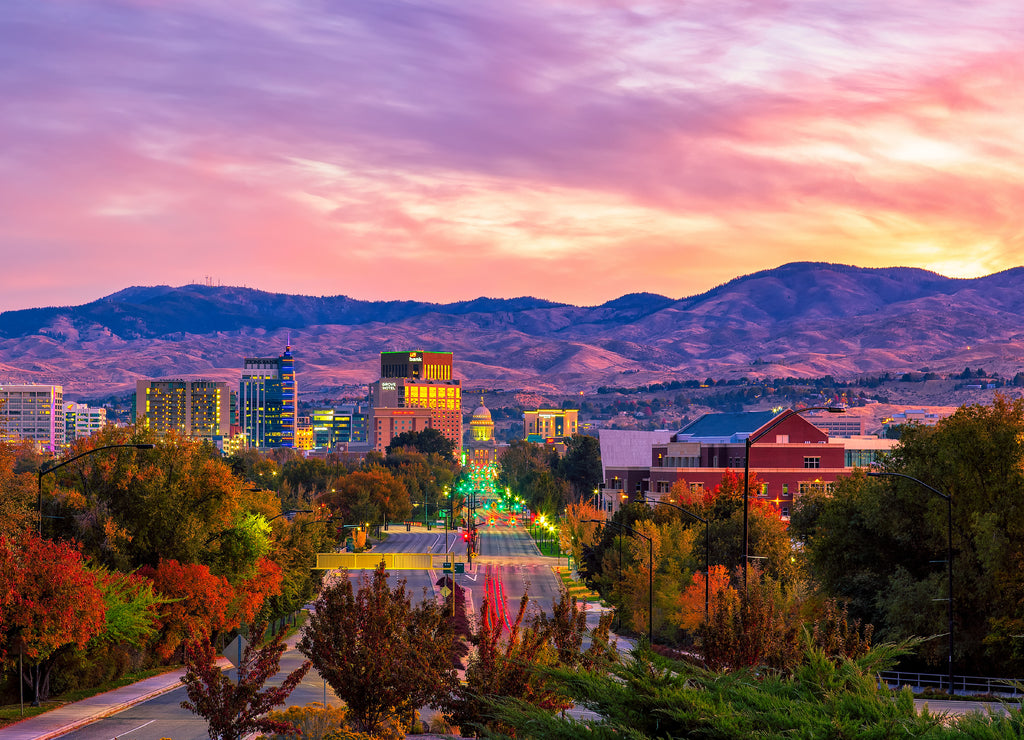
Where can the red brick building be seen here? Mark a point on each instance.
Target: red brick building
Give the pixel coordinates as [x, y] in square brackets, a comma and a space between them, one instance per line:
[794, 456]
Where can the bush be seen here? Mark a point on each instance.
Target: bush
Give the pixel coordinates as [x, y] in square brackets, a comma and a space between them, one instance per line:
[314, 721]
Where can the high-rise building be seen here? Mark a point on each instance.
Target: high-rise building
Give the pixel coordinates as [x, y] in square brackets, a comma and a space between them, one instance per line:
[33, 412]
[82, 420]
[341, 425]
[197, 408]
[267, 398]
[416, 380]
[416, 365]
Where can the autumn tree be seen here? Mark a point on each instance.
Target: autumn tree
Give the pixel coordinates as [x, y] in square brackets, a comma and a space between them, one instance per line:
[197, 603]
[514, 652]
[370, 496]
[236, 709]
[17, 490]
[178, 501]
[579, 528]
[51, 602]
[382, 656]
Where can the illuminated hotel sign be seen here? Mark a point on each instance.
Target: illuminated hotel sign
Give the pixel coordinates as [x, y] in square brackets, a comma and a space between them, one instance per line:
[388, 385]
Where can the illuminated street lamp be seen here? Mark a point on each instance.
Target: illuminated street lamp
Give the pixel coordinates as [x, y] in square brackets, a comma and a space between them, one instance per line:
[650, 570]
[44, 471]
[949, 555]
[788, 414]
[707, 551]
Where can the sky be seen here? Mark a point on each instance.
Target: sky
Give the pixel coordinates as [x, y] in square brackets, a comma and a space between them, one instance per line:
[571, 150]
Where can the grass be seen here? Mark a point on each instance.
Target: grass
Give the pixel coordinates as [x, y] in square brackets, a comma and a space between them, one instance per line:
[576, 588]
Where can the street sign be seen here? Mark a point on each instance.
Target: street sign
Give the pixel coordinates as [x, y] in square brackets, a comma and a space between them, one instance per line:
[460, 567]
[235, 649]
[446, 592]
[447, 568]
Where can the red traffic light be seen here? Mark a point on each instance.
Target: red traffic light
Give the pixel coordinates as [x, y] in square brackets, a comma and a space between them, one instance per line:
[465, 536]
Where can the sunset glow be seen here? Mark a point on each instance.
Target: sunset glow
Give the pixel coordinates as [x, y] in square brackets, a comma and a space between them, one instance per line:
[574, 150]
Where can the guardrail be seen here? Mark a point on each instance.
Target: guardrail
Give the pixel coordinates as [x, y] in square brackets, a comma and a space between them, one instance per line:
[965, 685]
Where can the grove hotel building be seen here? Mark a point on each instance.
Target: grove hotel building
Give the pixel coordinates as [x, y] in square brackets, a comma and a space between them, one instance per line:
[416, 391]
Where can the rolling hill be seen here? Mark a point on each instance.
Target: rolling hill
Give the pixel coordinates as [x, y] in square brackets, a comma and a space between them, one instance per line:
[800, 319]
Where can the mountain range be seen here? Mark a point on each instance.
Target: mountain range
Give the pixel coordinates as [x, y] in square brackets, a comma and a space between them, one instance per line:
[801, 319]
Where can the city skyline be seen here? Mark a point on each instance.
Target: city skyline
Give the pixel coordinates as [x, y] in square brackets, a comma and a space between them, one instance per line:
[440, 151]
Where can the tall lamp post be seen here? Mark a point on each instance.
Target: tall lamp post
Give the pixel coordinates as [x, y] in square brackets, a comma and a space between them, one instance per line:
[44, 471]
[707, 551]
[751, 439]
[650, 570]
[949, 555]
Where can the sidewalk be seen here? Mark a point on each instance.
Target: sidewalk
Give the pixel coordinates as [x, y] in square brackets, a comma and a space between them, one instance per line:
[71, 716]
[77, 714]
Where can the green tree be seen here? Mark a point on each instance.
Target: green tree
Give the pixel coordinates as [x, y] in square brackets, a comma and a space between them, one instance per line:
[875, 542]
[236, 709]
[581, 465]
[650, 696]
[381, 655]
[428, 441]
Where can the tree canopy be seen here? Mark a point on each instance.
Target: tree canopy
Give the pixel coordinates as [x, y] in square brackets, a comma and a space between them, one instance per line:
[880, 543]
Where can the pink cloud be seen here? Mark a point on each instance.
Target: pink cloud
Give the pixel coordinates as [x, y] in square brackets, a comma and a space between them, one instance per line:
[573, 150]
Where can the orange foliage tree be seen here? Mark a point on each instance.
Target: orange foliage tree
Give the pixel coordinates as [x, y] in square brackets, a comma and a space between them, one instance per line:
[691, 605]
[199, 606]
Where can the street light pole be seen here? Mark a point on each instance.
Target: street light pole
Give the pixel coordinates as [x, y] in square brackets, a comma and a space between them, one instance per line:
[707, 551]
[650, 570]
[788, 414]
[44, 471]
[949, 555]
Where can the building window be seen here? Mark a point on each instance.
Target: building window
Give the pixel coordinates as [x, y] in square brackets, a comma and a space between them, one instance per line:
[812, 462]
[697, 487]
[763, 493]
[815, 486]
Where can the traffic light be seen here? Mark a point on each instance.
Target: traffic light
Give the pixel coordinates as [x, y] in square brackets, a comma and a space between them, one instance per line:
[465, 535]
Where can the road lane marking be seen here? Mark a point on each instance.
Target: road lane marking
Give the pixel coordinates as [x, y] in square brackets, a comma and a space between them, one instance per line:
[133, 730]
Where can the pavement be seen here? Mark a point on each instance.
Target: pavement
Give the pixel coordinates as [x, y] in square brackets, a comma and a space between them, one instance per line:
[71, 716]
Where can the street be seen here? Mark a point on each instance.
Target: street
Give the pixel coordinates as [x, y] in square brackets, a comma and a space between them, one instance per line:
[505, 552]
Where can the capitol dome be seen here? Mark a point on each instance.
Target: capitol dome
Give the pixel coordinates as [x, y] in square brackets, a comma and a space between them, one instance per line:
[481, 427]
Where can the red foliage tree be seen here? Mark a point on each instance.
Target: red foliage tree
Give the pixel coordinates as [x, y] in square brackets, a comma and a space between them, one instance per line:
[50, 601]
[251, 594]
[200, 605]
[234, 710]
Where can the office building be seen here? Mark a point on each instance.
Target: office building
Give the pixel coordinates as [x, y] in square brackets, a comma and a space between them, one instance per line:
[796, 458]
[267, 398]
[34, 413]
[196, 408]
[81, 421]
[343, 425]
[416, 365]
[549, 426]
